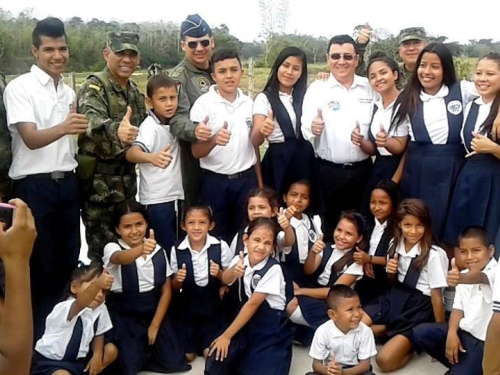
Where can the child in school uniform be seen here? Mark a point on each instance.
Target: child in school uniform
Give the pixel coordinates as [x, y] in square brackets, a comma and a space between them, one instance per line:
[433, 101]
[157, 152]
[459, 344]
[344, 344]
[140, 297]
[327, 265]
[491, 359]
[198, 263]
[259, 340]
[476, 199]
[73, 340]
[384, 201]
[417, 269]
[228, 158]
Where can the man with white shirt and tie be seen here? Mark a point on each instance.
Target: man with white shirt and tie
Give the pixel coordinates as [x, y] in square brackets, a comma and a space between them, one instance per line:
[331, 110]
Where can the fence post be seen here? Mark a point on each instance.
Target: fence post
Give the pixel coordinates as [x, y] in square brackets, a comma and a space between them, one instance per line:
[251, 79]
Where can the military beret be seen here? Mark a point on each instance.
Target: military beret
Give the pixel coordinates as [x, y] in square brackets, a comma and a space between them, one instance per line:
[122, 41]
[195, 27]
[411, 33]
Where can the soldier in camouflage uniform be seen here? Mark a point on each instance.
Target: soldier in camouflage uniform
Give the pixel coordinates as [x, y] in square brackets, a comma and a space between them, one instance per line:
[411, 41]
[194, 75]
[5, 148]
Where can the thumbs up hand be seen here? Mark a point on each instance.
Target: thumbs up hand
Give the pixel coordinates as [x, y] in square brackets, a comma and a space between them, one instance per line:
[319, 245]
[223, 135]
[392, 264]
[150, 244]
[267, 127]
[453, 274]
[381, 137]
[105, 280]
[318, 124]
[75, 123]
[239, 269]
[203, 132]
[214, 269]
[356, 136]
[162, 158]
[127, 133]
[481, 144]
[364, 34]
[361, 257]
[290, 211]
[181, 274]
[282, 219]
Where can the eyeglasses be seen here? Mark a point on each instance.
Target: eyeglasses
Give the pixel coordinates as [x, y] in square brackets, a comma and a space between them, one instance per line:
[338, 56]
[193, 44]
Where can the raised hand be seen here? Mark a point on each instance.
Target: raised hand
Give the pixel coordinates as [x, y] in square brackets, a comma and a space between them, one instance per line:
[318, 124]
[163, 158]
[203, 132]
[392, 264]
[319, 245]
[381, 137]
[290, 212]
[75, 123]
[214, 269]
[364, 34]
[453, 274]
[267, 127]
[127, 133]
[282, 219]
[181, 274]
[356, 136]
[239, 269]
[481, 144]
[360, 256]
[105, 280]
[223, 136]
[150, 244]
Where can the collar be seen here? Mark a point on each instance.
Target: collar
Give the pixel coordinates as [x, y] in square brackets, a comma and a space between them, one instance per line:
[294, 222]
[290, 96]
[443, 92]
[257, 267]
[492, 264]
[380, 104]
[479, 101]
[209, 242]
[190, 66]
[127, 247]
[413, 253]
[43, 77]
[378, 225]
[336, 332]
[219, 99]
[116, 85]
[358, 81]
[156, 118]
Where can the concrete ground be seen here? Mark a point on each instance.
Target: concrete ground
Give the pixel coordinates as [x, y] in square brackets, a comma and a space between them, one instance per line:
[301, 362]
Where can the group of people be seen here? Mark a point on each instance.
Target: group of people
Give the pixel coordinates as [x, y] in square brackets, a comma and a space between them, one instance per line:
[232, 258]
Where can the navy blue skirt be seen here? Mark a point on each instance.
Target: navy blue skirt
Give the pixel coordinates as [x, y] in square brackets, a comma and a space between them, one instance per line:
[313, 310]
[476, 199]
[383, 169]
[46, 366]
[430, 174]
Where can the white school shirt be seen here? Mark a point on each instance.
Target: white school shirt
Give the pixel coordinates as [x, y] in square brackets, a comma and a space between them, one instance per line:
[272, 284]
[158, 185]
[482, 114]
[342, 108]
[261, 106]
[350, 348]
[496, 290]
[435, 111]
[32, 97]
[239, 154]
[304, 229]
[376, 236]
[145, 267]
[475, 300]
[383, 117]
[58, 329]
[353, 269]
[433, 274]
[200, 258]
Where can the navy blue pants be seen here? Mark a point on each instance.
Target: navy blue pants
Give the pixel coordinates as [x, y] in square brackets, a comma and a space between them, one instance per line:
[228, 199]
[55, 207]
[431, 338]
[163, 220]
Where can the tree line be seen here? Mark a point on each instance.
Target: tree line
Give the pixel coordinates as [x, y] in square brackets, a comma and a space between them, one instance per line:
[159, 43]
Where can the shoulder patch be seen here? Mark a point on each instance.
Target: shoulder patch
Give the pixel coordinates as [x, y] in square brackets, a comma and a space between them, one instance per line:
[176, 72]
[95, 87]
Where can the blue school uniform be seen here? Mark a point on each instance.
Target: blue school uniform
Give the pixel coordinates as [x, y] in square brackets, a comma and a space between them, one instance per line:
[66, 344]
[264, 344]
[476, 199]
[133, 301]
[435, 154]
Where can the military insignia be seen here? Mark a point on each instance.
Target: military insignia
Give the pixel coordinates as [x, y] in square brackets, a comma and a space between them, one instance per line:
[313, 236]
[455, 107]
[178, 87]
[95, 87]
[334, 105]
[255, 281]
[203, 83]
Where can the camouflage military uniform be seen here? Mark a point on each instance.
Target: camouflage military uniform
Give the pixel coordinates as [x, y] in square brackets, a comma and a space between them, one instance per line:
[114, 180]
[405, 35]
[405, 76]
[5, 147]
[194, 82]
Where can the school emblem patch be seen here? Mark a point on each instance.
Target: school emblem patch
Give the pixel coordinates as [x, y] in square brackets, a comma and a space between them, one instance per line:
[249, 123]
[313, 237]
[455, 107]
[334, 105]
[255, 281]
[203, 83]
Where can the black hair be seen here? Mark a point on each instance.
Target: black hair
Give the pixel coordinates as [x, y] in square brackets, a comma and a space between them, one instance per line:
[488, 123]
[299, 89]
[266, 193]
[50, 27]
[300, 182]
[224, 54]
[207, 210]
[478, 232]
[262, 222]
[337, 292]
[390, 62]
[158, 81]
[342, 39]
[394, 193]
[82, 274]
[406, 103]
[128, 207]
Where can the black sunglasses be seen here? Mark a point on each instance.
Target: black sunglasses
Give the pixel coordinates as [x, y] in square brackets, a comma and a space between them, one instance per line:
[205, 43]
[338, 56]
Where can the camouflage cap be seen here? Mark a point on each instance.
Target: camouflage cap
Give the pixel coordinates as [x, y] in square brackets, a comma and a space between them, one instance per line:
[122, 41]
[411, 33]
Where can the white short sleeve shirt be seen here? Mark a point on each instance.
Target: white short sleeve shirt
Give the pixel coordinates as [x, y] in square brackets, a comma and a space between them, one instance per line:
[376, 236]
[353, 269]
[382, 118]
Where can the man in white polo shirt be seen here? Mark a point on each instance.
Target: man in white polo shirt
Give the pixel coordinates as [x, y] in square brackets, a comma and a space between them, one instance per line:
[331, 110]
[227, 159]
[42, 119]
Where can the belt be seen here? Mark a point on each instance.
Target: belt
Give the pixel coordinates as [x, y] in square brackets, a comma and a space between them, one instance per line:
[234, 176]
[345, 165]
[52, 175]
